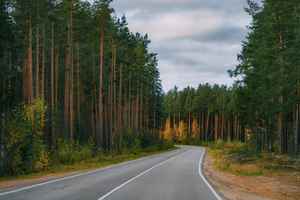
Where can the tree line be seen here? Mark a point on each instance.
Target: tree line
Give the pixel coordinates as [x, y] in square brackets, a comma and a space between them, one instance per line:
[261, 108]
[81, 72]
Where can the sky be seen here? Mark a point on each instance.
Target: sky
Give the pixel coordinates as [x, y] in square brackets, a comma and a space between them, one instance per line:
[197, 41]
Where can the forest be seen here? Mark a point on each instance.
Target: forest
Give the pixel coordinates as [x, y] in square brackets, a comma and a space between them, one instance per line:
[262, 108]
[72, 74]
[74, 77]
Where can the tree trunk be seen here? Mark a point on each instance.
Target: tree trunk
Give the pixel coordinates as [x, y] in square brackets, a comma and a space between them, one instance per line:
[202, 124]
[296, 128]
[141, 110]
[136, 114]
[30, 101]
[280, 120]
[216, 125]
[120, 107]
[52, 77]
[37, 55]
[66, 103]
[100, 83]
[78, 92]
[206, 128]
[71, 76]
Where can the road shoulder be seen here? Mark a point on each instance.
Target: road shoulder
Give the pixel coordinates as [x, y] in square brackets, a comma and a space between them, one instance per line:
[242, 187]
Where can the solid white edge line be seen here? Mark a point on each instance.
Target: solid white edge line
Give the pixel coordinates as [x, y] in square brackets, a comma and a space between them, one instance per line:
[112, 191]
[200, 173]
[89, 172]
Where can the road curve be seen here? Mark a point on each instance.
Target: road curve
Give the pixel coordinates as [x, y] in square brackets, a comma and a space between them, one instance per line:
[172, 175]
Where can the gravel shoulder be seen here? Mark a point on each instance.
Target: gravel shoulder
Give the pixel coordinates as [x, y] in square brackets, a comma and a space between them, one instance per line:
[238, 187]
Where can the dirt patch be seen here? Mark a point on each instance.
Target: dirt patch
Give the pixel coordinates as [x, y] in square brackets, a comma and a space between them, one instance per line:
[236, 187]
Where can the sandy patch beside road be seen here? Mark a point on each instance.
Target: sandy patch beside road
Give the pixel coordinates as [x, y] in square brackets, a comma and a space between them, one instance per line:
[237, 187]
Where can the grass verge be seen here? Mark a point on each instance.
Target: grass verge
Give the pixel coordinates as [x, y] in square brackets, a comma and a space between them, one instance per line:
[90, 164]
[237, 158]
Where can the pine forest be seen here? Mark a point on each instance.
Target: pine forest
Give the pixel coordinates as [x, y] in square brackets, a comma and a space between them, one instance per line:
[74, 78]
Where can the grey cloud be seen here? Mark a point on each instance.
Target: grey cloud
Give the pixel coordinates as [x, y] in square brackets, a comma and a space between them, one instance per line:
[202, 48]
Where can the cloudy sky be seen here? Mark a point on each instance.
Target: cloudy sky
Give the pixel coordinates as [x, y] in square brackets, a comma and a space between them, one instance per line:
[196, 40]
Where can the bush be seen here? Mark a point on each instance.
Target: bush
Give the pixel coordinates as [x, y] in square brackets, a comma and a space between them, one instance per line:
[25, 152]
[71, 153]
[162, 145]
[135, 147]
[112, 153]
[149, 149]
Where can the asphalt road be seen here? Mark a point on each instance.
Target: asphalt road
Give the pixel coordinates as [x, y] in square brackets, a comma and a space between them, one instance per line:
[173, 175]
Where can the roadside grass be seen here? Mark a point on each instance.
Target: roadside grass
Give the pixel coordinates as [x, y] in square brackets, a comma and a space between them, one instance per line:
[237, 158]
[90, 164]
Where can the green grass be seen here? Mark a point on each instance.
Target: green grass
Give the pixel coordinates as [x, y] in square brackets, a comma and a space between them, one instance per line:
[242, 169]
[247, 163]
[90, 164]
[235, 157]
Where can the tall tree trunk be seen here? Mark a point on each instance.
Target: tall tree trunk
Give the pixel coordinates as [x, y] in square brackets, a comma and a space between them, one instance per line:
[71, 77]
[37, 54]
[56, 86]
[115, 100]
[52, 77]
[280, 120]
[92, 118]
[129, 103]
[154, 125]
[30, 101]
[141, 109]
[95, 97]
[216, 125]
[78, 91]
[120, 107]
[189, 124]
[147, 106]
[202, 124]
[136, 114]
[100, 83]
[66, 103]
[207, 123]
[43, 78]
[111, 115]
[296, 128]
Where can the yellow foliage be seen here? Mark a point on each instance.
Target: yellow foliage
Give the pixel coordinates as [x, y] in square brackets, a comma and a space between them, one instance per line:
[168, 132]
[182, 131]
[195, 130]
[41, 160]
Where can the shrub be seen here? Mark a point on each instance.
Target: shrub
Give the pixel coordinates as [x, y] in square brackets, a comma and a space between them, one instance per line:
[71, 153]
[112, 153]
[160, 145]
[149, 149]
[135, 147]
[25, 152]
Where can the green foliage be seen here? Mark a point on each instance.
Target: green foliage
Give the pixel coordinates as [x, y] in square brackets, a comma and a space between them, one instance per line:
[136, 147]
[230, 145]
[112, 153]
[149, 149]
[71, 153]
[25, 151]
[162, 144]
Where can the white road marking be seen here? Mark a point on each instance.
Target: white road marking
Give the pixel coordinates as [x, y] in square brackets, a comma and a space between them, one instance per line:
[112, 191]
[89, 172]
[200, 173]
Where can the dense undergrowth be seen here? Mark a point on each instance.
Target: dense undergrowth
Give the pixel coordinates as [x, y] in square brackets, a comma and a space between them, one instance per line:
[76, 157]
[239, 158]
